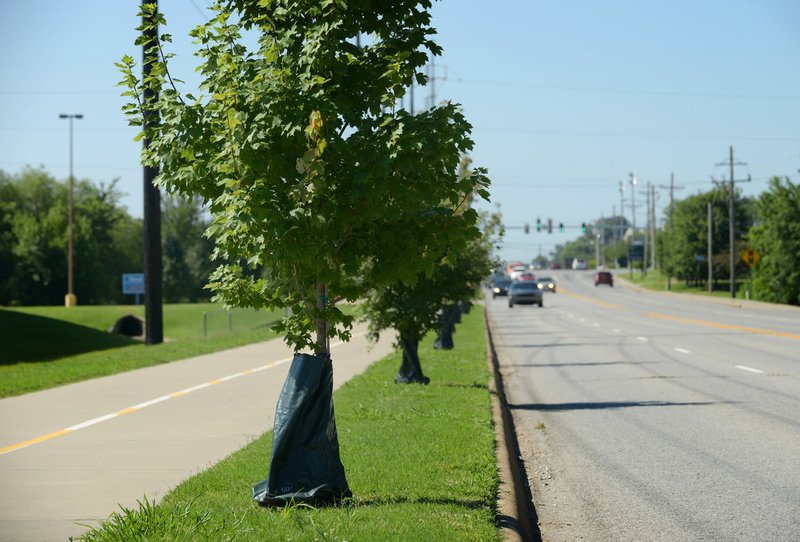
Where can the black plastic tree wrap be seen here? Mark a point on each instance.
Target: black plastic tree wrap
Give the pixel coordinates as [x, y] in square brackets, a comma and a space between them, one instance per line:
[305, 465]
[444, 340]
[410, 369]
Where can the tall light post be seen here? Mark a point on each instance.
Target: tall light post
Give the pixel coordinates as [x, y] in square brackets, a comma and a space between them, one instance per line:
[70, 300]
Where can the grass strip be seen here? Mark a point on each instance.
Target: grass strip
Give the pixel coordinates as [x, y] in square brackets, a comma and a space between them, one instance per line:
[46, 347]
[419, 459]
[656, 280]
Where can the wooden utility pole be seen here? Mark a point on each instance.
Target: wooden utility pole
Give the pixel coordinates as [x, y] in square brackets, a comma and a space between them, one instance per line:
[671, 187]
[732, 218]
[710, 256]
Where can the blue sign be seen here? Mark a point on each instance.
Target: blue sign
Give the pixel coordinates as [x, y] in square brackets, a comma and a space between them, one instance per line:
[133, 283]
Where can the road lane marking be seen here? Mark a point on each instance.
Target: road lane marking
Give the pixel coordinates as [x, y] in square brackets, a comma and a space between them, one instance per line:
[136, 408]
[682, 350]
[643, 339]
[596, 325]
[731, 327]
[591, 300]
[743, 368]
[616, 331]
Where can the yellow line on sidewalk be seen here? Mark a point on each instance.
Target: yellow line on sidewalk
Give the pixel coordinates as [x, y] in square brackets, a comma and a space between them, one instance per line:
[140, 406]
[33, 441]
[718, 325]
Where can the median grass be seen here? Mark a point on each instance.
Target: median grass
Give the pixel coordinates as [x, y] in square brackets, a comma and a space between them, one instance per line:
[420, 461]
[45, 347]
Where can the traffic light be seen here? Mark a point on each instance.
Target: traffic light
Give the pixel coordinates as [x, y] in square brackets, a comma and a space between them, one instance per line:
[549, 225]
[527, 228]
[560, 227]
[538, 225]
[583, 227]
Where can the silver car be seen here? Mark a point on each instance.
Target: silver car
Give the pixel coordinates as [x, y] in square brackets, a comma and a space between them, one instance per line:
[524, 292]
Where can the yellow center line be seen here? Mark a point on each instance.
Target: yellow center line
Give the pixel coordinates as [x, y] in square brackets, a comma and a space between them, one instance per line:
[692, 321]
[614, 306]
[718, 325]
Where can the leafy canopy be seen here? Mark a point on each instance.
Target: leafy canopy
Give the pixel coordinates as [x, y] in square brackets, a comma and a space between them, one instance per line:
[310, 171]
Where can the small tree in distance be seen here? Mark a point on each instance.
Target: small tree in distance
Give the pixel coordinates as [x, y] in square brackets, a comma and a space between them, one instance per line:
[310, 172]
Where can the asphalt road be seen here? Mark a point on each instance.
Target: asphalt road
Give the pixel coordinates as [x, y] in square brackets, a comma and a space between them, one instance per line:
[70, 455]
[654, 417]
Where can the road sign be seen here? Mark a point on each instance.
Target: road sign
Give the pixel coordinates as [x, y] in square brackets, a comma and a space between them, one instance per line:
[751, 257]
[133, 283]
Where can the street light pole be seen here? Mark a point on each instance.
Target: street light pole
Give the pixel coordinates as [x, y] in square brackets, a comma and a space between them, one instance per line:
[70, 300]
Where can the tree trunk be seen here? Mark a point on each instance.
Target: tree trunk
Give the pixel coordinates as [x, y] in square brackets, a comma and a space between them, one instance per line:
[410, 369]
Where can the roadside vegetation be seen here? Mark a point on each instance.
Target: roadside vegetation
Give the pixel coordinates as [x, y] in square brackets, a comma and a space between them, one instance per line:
[65, 345]
[420, 461]
[767, 228]
[657, 280]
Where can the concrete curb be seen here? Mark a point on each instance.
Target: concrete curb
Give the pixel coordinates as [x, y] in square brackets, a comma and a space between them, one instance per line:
[515, 513]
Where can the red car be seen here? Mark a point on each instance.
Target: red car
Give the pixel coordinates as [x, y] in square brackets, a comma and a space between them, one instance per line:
[604, 277]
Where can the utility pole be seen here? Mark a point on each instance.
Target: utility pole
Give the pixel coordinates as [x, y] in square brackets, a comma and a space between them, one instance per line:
[710, 256]
[671, 189]
[732, 217]
[633, 216]
[646, 232]
[653, 224]
[432, 77]
[153, 310]
[622, 210]
[70, 300]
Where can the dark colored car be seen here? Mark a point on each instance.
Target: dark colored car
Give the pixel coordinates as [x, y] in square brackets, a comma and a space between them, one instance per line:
[547, 284]
[604, 277]
[500, 287]
[525, 292]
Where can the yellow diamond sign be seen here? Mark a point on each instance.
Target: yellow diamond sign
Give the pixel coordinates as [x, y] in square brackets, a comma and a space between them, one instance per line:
[751, 257]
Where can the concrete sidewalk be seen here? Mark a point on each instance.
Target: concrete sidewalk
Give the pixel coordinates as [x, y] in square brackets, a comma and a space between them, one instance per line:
[69, 455]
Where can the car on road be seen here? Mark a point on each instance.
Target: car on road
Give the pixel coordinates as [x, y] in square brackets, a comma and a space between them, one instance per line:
[604, 277]
[500, 287]
[546, 284]
[526, 276]
[525, 292]
[579, 264]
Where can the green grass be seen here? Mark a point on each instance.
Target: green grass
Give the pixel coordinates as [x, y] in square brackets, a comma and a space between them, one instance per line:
[45, 347]
[655, 280]
[420, 461]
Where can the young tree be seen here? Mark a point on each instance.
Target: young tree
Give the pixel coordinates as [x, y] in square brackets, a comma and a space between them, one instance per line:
[310, 172]
[413, 310]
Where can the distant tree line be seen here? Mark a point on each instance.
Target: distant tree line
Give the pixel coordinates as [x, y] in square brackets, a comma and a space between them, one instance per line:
[107, 243]
[768, 223]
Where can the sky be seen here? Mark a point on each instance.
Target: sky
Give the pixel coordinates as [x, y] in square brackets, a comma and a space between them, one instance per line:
[566, 99]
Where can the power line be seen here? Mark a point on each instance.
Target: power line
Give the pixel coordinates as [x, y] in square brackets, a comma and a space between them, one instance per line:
[626, 91]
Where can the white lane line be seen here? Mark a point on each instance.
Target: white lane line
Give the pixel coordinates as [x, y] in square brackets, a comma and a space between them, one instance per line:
[596, 325]
[643, 339]
[743, 368]
[616, 331]
[682, 350]
[136, 408]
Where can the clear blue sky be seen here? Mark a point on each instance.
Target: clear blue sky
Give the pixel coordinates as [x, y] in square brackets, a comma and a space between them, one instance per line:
[566, 98]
